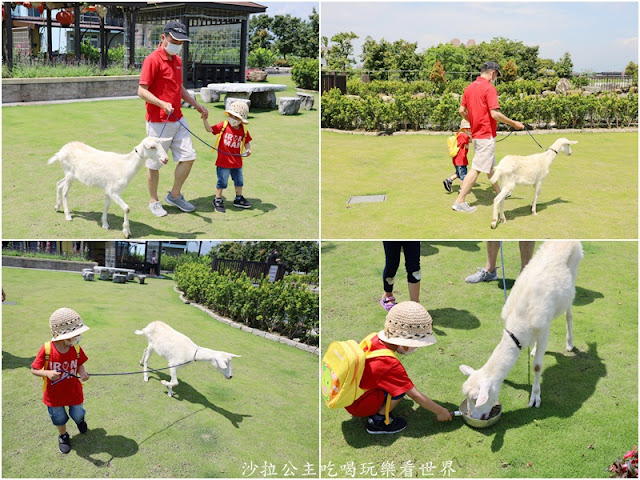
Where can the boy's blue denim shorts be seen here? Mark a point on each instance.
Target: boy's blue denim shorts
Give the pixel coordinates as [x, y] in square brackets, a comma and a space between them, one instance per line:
[461, 171]
[59, 415]
[223, 177]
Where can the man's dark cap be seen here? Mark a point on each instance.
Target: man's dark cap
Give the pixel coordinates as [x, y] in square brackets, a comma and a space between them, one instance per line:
[177, 30]
[490, 66]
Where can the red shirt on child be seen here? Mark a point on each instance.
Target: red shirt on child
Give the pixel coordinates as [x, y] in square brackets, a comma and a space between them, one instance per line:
[461, 157]
[381, 374]
[163, 77]
[480, 97]
[66, 390]
[230, 143]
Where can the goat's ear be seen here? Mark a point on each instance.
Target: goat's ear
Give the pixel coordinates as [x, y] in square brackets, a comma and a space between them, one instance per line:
[466, 369]
[234, 356]
[483, 396]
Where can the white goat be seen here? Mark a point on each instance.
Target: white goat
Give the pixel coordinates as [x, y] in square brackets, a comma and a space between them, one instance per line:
[179, 350]
[543, 290]
[530, 170]
[110, 171]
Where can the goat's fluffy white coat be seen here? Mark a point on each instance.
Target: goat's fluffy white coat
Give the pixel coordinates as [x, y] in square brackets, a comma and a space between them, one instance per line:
[530, 170]
[544, 290]
[109, 171]
[179, 349]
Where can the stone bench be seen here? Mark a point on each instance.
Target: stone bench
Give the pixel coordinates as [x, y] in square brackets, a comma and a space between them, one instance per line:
[131, 276]
[119, 278]
[141, 279]
[306, 100]
[261, 96]
[88, 276]
[289, 105]
[105, 274]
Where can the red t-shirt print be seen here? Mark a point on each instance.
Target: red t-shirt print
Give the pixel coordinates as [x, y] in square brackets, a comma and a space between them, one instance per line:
[479, 98]
[381, 374]
[230, 143]
[66, 390]
[163, 77]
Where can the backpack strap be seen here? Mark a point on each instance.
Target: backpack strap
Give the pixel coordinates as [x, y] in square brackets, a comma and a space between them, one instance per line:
[382, 352]
[224, 127]
[47, 354]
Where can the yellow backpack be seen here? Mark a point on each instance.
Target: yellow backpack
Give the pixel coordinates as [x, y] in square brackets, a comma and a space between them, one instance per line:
[342, 369]
[47, 353]
[452, 145]
[224, 127]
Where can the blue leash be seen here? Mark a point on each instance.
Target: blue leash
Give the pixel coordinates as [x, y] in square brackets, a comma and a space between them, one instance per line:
[210, 146]
[122, 373]
[527, 130]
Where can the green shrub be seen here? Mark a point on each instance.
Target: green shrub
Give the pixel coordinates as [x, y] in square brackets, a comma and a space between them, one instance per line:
[260, 58]
[168, 262]
[305, 73]
[287, 308]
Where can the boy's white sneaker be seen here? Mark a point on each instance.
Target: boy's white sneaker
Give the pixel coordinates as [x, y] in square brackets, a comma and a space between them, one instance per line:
[463, 207]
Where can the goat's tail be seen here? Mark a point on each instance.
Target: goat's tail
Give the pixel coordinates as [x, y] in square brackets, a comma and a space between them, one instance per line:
[497, 173]
[139, 332]
[53, 159]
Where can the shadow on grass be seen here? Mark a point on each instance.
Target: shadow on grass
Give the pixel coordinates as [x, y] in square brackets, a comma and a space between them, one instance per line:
[453, 318]
[580, 370]
[525, 211]
[431, 248]
[205, 204]
[10, 361]
[96, 441]
[185, 392]
[138, 229]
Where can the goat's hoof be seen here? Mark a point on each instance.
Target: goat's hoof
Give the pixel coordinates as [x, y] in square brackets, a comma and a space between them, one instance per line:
[170, 394]
[127, 234]
[67, 217]
[494, 225]
[56, 207]
[105, 226]
[535, 402]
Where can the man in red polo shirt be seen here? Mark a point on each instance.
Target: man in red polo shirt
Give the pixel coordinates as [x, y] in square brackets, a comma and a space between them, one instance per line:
[481, 108]
[162, 90]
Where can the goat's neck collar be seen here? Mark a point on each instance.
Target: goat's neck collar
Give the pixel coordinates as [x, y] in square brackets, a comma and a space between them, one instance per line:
[514, 338]
[196, 352]
[136, 150]
[554, 151]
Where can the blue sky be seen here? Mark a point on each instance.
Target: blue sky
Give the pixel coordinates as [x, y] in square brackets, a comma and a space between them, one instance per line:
[600, 36]
[296, 9]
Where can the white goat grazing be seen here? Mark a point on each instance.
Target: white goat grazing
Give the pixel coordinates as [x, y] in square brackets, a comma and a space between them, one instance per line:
[544, 290]
[110, 171]
[530, 170]
[179, 350]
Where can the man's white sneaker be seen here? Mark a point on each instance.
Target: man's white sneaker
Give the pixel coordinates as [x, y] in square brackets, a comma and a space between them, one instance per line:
[157, 209]
[463, 207]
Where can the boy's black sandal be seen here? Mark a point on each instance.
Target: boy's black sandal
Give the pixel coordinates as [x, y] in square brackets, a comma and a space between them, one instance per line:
[64, 443]
[377, 427]
[82, 426]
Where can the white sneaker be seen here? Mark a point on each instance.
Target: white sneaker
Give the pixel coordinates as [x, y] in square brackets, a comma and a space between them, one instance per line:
[463, 207]
[157, 209]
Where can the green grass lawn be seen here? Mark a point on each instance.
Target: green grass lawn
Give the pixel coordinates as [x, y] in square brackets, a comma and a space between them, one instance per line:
[281, 176]
[589, 411]
[592, 194]
[212, 427]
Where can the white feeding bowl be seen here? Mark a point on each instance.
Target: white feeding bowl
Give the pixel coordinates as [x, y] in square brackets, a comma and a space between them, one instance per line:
[494, 415]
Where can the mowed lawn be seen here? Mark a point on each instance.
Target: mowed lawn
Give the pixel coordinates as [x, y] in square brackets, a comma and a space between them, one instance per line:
[589, 411]
[281, 176]
[267, 414]
[591, 194]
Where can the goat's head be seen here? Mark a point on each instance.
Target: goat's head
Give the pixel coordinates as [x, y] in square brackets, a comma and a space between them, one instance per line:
[562, 145]
[481, 394]
[151, 149]
[222, 361]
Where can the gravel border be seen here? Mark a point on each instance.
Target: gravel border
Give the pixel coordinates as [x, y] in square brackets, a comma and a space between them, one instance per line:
[269, 336]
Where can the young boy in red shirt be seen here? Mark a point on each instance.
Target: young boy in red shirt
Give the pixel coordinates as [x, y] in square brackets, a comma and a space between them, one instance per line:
[60, 363]
[460, 161]
[233, 140]
[406, 328]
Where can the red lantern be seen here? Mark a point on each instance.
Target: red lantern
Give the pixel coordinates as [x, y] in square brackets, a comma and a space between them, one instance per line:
[27, 4]
[41, 8]
[65, 18]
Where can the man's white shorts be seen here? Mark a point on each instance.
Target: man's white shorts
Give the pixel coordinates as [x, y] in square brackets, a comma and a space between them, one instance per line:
[484, 158]
[178, 139]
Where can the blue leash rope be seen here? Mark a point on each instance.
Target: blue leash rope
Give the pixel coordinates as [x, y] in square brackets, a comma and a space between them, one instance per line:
[122, 373]
[527, 130]
[210, 146]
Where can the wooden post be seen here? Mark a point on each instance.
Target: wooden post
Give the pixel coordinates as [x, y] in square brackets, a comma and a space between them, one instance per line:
[8, 36]
[244, 39]
[185, 54]
[132, 37]
[49, 36]
[103, 51]
[76, 32]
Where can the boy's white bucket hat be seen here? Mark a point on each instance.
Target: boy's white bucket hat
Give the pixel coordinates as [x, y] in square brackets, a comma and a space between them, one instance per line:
[238, 110]
[408, 324]
[65, 324]
[464, 124]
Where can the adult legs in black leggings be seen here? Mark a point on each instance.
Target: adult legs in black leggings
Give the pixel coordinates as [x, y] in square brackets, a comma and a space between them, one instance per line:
[412, 265]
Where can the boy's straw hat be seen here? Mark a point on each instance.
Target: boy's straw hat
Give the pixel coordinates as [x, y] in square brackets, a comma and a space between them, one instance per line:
[464, 124]
[238, 110]
[65, 324]
[408, 324]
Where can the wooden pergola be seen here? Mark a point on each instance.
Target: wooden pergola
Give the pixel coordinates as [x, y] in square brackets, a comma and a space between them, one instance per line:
[126, 16]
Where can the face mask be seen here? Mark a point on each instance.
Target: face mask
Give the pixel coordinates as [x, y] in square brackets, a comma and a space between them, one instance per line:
[173, 48]
[73, 341]
[234, 122]
[406, 350]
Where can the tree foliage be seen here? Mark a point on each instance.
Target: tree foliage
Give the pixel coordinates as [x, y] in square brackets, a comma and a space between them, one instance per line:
[298, 256]
[285, 34]
[339, 55]
[564, 66]
[632, 70]
[509, 71]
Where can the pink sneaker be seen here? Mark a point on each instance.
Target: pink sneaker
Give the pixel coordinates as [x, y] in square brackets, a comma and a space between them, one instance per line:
[387, 302]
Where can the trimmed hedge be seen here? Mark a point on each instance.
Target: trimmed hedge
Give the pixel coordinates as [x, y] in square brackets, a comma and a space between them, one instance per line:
[287, 309]
[440, 112]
